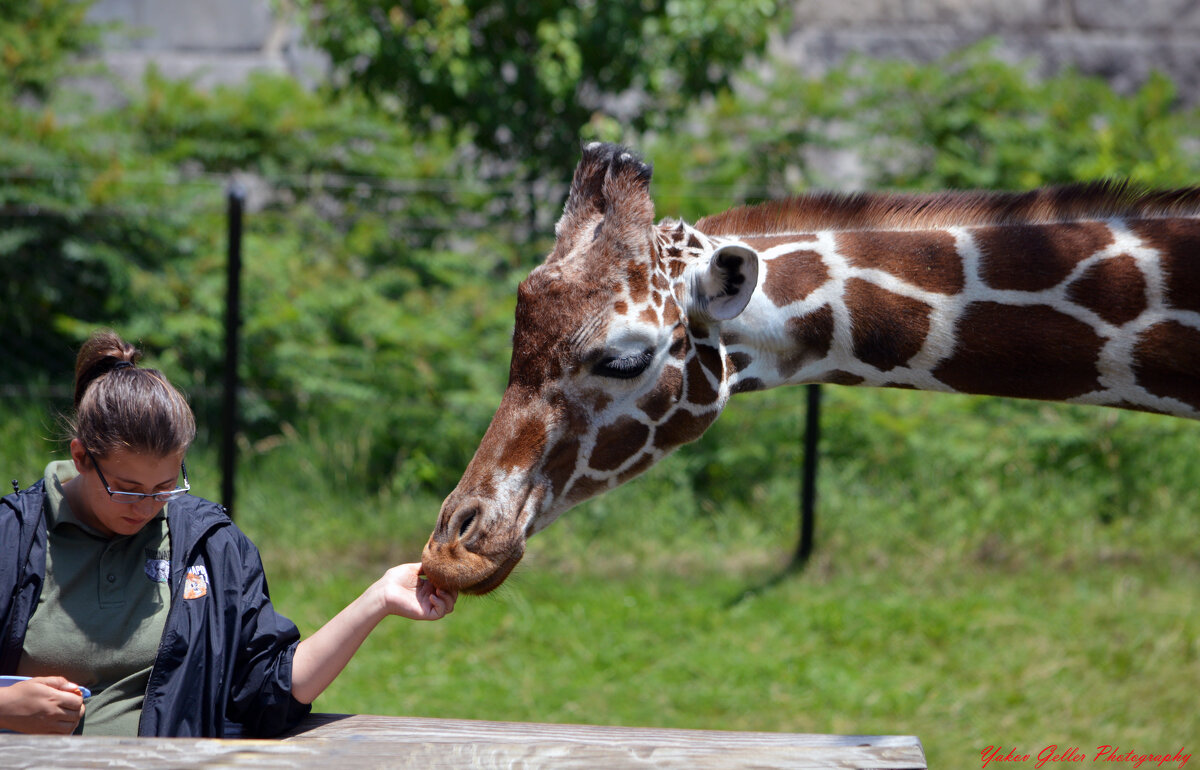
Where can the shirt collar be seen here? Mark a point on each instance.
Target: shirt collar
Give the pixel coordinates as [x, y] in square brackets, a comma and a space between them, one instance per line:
[58, 511]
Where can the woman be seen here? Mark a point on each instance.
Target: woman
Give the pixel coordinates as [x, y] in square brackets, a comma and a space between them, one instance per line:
[113, 578]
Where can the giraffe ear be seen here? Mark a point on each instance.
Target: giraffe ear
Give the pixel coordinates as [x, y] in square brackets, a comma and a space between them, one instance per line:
[722, 288]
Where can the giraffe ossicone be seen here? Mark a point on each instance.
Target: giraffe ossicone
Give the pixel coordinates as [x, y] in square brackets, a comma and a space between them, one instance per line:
[632, 335]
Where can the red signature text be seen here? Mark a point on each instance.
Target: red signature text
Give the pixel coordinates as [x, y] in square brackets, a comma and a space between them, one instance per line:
[1110, 756]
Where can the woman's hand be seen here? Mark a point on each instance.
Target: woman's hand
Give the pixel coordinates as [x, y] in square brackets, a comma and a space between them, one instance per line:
[44, 704]
[407, 594]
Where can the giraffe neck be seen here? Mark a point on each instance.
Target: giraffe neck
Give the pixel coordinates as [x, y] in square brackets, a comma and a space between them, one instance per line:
[1098, 311]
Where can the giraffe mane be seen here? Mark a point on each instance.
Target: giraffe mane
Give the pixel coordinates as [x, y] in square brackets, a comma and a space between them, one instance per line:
[916, 211]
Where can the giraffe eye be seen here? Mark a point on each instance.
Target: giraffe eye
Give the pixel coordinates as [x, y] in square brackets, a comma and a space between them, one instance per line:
[624, 367]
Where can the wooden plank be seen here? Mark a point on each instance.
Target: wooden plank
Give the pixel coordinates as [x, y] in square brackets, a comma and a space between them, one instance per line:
[53, 752]
[418, 729]
[359, 742]
[476, 743]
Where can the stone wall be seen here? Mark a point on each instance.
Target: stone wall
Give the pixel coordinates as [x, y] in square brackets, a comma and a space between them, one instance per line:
[210, 41]
[1120, 40]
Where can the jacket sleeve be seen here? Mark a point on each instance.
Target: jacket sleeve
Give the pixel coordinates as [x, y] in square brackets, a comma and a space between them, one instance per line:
[260, 696]
[22, 570]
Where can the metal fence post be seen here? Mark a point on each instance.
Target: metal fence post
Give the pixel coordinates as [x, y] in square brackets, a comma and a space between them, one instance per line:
[808, 481]
[236, 199]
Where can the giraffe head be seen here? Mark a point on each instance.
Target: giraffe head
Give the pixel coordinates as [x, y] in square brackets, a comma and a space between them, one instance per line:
[616, 361]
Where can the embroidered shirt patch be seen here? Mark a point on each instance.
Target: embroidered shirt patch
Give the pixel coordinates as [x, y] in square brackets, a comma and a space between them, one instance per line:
[158, 570]
[195, 584]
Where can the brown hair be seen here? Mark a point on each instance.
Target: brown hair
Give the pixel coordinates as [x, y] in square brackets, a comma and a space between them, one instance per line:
[119, 406]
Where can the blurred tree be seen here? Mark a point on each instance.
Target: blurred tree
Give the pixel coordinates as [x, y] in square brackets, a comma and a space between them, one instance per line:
[37, 40]
[55, 253]
[529, 78]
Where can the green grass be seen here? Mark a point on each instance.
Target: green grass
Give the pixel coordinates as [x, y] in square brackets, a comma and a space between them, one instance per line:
[964, 656]
[987, 572]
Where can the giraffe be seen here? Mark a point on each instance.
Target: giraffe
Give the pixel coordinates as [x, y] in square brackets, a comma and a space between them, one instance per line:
[632, 335]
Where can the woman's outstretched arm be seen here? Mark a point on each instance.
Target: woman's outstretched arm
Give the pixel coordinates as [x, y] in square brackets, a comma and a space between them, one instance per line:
[401, 591]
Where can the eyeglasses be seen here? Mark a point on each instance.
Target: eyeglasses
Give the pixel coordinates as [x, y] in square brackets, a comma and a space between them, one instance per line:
[137, 497]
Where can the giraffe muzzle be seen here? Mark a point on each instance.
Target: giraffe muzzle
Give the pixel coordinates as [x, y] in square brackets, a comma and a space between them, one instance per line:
[462, 555]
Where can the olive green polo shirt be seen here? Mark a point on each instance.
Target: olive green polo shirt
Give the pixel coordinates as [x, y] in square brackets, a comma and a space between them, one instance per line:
[102, 610]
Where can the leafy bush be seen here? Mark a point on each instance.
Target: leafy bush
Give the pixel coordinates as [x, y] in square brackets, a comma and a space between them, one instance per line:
[968, 121]
[361, 271]
[38, 39]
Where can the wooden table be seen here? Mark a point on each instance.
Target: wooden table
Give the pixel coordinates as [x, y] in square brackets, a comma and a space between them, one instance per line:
[351, 742]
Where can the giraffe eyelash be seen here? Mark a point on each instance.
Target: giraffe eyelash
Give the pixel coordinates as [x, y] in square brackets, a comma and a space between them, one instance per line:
[624, 367]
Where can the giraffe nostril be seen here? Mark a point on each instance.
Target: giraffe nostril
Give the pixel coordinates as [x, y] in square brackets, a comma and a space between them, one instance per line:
[466, 520]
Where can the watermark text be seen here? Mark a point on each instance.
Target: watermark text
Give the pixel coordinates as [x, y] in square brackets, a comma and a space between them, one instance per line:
[1109, 756]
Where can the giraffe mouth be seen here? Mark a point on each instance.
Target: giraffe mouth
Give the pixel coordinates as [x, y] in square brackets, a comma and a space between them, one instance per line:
[456, 569]
[493, 581]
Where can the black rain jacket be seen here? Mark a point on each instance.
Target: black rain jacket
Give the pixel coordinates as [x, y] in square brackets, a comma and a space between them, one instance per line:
[224, 665]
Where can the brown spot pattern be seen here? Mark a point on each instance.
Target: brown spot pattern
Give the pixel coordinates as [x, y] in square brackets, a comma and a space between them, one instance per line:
[927, 259]
[597, 400]
[526, 445]
[681, 343]
[711, 358]
[699, 390]
[1049, 253]
[839, 377]
[586, 487]
[638, 282]
[659, 401]
[561, 463]
[682, 428]
[813, 331]
[639, 466]
[1178, 243]
[747, 385]
[1166, 361]
[1113, 289]
[1030, 352]
[736, 362]
[887, 329]
[792, 277]
[617, 442]
[649, 316]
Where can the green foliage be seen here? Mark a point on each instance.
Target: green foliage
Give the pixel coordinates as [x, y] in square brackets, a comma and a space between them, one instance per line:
[37, 40]
[77, 239]
[968, 121]
[361, 272]
[527, 78]
[971, 121]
